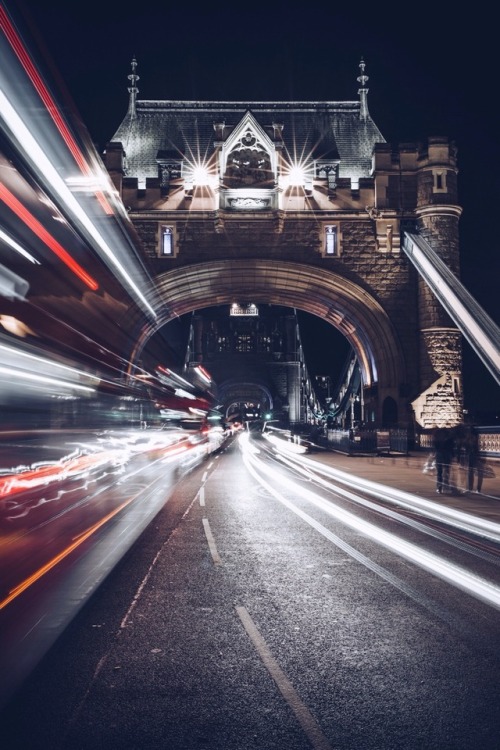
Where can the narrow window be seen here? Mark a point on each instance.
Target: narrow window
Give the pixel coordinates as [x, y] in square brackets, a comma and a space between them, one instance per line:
[331, 240]
[167, 241]
[439, 176]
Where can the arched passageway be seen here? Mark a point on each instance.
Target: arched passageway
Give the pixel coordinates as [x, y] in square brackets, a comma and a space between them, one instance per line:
[337, 300]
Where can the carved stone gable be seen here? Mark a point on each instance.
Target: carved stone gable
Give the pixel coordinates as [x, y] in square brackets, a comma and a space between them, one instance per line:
[248, 157]
[248, 165]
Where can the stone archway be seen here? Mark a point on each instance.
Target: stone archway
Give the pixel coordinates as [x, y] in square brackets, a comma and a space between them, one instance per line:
[332, 297]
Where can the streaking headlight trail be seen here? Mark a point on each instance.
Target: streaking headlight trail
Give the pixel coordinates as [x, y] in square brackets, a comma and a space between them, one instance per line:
[451, 516]
[458, 577]
[20, 134]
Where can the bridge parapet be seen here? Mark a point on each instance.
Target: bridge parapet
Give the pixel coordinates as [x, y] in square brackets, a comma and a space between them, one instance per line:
[489, 441]
[397, 440]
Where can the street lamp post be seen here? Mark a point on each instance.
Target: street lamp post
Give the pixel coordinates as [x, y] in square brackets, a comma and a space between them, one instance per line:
[353, 400]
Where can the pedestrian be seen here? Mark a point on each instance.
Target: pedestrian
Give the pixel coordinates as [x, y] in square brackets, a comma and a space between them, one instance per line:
[443, 445]
[473, 462]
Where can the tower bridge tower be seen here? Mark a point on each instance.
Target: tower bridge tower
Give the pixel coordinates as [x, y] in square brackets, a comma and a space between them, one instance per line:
[255, 356]
[226, 211]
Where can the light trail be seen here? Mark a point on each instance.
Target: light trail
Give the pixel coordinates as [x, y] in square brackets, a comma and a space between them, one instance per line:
[15, 353]
[292, 448]
[26, 143]
[17, 247]
[63, 471]
[41, 379]
[15, 592]
[27, 63]
[458, 577]
[51, 473]
[477, 327]
[22, 213]
[451, 516]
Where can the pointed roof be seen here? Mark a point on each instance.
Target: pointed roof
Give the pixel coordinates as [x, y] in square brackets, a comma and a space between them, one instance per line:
[340, 131]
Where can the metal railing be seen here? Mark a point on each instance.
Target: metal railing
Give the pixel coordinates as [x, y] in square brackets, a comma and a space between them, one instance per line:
[362, 441]
[397, 440]
[489, 441]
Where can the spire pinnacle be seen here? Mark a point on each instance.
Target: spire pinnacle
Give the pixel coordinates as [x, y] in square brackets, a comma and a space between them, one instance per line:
[133, 90]
[363, 92]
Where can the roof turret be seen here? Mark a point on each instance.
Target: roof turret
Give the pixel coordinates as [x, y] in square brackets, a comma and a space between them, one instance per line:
[133, 90]
[363, 92]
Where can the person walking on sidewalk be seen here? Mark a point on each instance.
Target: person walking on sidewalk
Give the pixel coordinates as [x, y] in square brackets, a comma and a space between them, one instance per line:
[472, 461]
[442, 440]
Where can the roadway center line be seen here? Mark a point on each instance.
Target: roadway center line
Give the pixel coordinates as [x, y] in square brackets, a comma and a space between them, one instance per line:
[304, 716]
[201, 495]
[211, 542]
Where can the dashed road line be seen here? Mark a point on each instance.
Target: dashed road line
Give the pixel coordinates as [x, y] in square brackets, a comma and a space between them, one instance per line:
[211, 543]
[304, 716]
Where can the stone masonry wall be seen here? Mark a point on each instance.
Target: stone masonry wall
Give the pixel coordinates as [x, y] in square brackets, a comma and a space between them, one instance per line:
[388, 277]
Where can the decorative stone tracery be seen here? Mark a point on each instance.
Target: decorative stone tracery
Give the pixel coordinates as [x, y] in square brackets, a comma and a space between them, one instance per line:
[248, 164]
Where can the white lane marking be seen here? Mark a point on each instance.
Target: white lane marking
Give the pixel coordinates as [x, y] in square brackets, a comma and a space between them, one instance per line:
[204, 478]
[210, 465]
[211, 542]
[304, 716]
[201, 495]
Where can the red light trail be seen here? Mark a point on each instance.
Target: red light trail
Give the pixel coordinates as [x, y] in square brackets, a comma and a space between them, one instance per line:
[27, 63]
[22, 212]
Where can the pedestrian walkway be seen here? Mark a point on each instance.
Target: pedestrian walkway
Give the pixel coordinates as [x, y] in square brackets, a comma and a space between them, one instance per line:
[405, 472]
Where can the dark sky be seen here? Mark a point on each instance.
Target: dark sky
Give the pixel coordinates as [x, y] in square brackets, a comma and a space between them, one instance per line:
[432, 70]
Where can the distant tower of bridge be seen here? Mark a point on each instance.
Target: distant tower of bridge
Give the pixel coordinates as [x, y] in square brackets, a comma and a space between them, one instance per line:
[255, 356]
[301, 205]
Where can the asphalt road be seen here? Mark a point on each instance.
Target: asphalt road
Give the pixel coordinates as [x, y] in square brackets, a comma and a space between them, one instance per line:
[247, 617]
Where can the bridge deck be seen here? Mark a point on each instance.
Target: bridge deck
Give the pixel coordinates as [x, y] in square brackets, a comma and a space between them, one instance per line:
[160, 656]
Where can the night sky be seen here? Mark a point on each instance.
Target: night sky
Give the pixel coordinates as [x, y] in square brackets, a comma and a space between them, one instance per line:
[432, 70]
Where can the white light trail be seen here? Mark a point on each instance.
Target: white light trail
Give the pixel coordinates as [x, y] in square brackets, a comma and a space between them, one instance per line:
[202, 374]
[451, 516]
[453, 302]
[17, 247]
[20, 134]
[459, 577]
[15, 353]
[481, 332]
[23, 375]
[286, 447]
[181, 393]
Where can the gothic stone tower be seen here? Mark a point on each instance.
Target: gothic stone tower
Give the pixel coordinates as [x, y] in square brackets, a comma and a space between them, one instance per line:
[255, 356]
[302, 205]
[422, 181]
